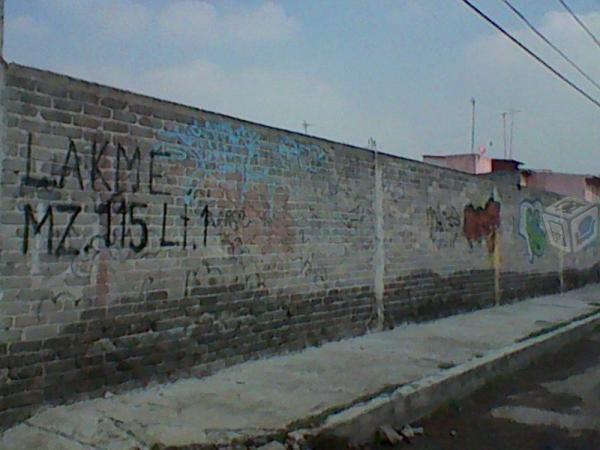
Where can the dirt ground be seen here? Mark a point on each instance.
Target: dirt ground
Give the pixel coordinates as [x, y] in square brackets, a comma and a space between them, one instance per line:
[554, 404]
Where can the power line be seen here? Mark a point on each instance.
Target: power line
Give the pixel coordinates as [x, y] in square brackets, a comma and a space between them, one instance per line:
[531, 53]
[547, 41]
[580, 22]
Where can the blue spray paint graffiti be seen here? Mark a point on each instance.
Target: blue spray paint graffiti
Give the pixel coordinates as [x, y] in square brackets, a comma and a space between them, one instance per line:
[206, 145]
[219, 146]
[202, 143]
[308, 157]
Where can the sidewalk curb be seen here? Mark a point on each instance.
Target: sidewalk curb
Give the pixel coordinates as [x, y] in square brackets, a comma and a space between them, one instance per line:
[419, 398]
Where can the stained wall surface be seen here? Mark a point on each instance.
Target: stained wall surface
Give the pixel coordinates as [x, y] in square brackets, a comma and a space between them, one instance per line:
[142, 239]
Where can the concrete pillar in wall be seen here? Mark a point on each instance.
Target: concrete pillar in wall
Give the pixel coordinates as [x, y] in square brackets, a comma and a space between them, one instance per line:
[379, 257]
[2, 75]
[1, 29]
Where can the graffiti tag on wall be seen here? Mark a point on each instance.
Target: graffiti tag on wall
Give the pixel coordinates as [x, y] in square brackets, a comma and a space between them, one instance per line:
[531, 228]
[568, 225]
[444, 225]
[571, 224]
[201, 142]
[117, 212]
[122, 174]
[481, 224]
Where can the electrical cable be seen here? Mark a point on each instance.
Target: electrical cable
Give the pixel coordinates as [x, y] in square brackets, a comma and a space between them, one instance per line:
[547, 41]
[580, 22]
[531, 53]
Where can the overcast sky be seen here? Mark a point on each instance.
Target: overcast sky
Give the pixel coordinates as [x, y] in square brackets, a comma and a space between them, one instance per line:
[401, 71]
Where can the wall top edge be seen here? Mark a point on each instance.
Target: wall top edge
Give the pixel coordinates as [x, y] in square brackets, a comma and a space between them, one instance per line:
[35, 72]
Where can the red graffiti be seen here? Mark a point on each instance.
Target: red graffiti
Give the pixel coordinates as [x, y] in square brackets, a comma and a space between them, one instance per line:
[260, 218]
[482, 223]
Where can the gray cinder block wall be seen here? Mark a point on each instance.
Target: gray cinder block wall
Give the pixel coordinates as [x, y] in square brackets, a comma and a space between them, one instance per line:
[141, 239]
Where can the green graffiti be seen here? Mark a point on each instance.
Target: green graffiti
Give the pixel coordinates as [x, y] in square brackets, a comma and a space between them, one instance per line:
[535, 231]
[531, 228]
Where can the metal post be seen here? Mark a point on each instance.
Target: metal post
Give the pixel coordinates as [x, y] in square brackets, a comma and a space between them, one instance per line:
[504, 135]
[473, 126]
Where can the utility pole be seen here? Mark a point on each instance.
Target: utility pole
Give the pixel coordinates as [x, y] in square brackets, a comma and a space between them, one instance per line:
[473, 125]
[512, 113]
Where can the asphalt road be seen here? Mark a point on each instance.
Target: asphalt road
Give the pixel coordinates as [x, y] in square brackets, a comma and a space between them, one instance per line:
[554, 404]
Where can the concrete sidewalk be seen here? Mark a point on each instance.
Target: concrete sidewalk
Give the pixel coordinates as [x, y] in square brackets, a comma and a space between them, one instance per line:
[274, 396]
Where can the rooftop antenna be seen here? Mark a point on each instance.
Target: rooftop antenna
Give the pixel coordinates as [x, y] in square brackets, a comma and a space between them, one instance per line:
[372, 144]
[472, 125]
[305, 125]
[512, 113]
[504, 133]
[508, 144]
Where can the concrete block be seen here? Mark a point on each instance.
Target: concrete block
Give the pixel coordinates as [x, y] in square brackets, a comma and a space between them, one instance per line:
[124, 116]
[83, 96]
[113, 103]
[95, 110]
[39, 332]
[57, 116]
[67, 105]
[20, 108]
[35, 99]
[20, 82]
[116, 127]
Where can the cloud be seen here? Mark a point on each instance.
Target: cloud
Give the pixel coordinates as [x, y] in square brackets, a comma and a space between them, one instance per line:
[267, 23]
[113, 19]
[190, 20]
[182, 22]
[124, 18]
[195, 21]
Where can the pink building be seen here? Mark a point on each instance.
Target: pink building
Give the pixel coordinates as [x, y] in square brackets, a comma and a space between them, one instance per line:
[468, 162]
[584, 187]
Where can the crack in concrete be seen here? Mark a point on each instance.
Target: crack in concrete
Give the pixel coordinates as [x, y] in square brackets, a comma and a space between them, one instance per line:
[62, 435]
[558, 325]
[249, 437]
[120, 425]
[242, 431]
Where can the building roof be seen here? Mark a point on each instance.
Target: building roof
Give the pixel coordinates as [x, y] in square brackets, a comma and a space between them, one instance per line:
[593, 180]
